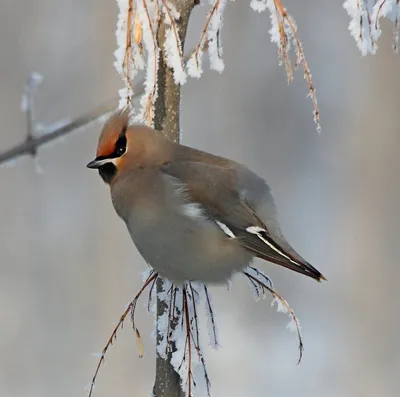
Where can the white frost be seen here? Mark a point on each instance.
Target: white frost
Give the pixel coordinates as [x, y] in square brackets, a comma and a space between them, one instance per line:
[258, 5]
[177, 335]
[173, 44]
[147, 20]
[194, 64]
[162, 322]
[214, 35]
[275, 26]
[124, 63]
[35, 79]
[283, 307]
[119, 53]
[365, 17]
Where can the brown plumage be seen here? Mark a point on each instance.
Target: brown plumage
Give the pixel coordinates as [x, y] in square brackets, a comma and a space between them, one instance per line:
[192, 215]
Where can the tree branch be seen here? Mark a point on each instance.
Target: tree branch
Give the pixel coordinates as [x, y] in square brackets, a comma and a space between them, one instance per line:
[166, 118]
[31, 144]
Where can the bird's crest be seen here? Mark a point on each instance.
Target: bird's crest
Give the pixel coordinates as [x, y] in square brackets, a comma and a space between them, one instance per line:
[115, 126]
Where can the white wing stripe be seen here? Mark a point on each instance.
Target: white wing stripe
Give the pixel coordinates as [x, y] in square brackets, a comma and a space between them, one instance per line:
[256, 230]
[225, 229]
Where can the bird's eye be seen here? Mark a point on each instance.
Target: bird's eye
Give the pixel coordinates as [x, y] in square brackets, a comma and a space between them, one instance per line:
[120, 146]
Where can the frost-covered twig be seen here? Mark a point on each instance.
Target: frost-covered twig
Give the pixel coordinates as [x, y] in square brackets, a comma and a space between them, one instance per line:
[365, 16]
[284, 34]
[149, 15]
[179, 333]
[152, 48]
[173, 45]
[256, 277]
[31, 144]
[63, 128]
[130, 309]
[209, 39]
[178, 326]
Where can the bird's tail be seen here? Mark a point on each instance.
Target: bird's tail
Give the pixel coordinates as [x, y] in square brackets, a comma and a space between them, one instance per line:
[268, 249]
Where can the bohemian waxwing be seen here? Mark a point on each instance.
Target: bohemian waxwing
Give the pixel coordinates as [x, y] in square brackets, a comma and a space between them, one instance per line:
[193, 216]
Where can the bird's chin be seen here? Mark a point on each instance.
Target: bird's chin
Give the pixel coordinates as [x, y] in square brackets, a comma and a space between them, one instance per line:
[107, 172]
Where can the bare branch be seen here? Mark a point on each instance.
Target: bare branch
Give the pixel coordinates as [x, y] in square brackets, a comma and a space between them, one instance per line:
[31, 144]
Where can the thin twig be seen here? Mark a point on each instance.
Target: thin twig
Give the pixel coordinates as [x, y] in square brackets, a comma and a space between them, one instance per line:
[196, 341]
[29, 146]
[200, 44]
[286, 306]
[211, 313]
[151, 295]
[195, 315]
[377, 14]
[113, 336]
[396, 29]
[150, 100]
[128, 48]
[175, 30]
[189, 345]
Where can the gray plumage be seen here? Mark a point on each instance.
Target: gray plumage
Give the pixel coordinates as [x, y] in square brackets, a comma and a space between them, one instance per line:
[193, 216]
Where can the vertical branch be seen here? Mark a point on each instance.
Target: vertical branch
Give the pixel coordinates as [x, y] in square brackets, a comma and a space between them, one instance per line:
[167, 105]
[166, 118]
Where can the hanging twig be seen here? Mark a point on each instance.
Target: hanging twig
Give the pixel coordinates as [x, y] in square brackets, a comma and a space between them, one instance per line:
[282, 304]
[32, 143]
[130, 309]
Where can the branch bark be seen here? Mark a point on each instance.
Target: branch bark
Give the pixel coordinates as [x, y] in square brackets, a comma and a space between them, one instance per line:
[31, 144]
[166, 118]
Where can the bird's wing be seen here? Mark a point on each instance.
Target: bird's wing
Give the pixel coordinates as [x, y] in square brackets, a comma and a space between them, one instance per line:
[241, 204]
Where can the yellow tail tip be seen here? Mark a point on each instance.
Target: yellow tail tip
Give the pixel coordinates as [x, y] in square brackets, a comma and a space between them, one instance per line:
[322, 278]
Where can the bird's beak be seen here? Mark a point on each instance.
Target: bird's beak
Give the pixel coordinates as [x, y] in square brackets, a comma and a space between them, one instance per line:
[97, 163]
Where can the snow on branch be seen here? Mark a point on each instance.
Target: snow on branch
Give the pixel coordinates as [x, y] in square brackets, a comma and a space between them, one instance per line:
[365, 17]
[283, 33]
[173, 45]
[138, 52]
[138, 49]
[178, 329]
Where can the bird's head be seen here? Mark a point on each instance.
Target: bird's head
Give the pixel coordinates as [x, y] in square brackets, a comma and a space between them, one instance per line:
[120, 146]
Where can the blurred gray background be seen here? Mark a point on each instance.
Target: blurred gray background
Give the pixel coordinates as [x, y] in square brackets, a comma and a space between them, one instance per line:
[68, 267]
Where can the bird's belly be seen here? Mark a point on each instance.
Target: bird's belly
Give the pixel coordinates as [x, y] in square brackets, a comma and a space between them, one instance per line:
[191, 252]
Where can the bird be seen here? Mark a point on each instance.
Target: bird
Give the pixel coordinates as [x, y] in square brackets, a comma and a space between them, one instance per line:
[192, 215]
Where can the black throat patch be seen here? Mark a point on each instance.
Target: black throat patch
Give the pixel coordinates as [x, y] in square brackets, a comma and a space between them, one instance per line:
[107, 172]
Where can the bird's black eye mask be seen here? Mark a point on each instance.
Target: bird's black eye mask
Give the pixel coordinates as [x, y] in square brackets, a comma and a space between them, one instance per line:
[107, 169]
[119, 149]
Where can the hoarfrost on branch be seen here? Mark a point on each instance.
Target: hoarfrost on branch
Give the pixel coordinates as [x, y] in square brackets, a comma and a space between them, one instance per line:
[365, 17]
[137, 31]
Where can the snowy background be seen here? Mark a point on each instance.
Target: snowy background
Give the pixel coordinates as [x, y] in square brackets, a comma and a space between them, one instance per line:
[68, 267]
